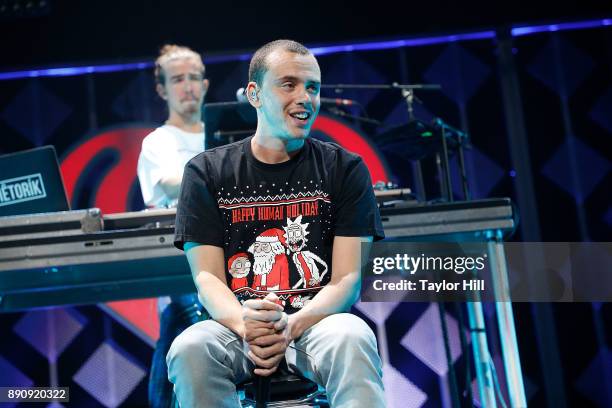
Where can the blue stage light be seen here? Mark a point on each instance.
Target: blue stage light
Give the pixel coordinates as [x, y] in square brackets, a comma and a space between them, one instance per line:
[317, 50]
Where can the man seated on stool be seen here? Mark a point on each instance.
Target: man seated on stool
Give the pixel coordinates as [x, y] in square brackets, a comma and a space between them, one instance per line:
[288, 213]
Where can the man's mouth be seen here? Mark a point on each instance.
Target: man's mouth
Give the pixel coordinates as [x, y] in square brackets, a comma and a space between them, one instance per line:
[301, 116]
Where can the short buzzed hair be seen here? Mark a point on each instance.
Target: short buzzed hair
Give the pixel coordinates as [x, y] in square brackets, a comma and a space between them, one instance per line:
[258, 66]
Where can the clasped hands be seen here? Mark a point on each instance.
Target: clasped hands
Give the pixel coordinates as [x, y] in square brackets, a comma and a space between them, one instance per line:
[266, 331]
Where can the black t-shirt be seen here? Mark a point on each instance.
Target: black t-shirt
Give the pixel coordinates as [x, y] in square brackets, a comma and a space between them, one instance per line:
[276, 222]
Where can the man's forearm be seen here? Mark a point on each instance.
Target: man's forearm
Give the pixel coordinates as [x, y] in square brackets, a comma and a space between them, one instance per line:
[171, 185]
[334, 298]
[220, 302]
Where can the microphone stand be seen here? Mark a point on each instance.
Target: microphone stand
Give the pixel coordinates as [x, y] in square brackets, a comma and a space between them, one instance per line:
[341, 87]
[407, 92]
[462, 139]
[339, 112]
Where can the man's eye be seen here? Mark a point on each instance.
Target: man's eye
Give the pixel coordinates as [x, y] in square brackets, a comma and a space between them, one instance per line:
[313, 89]
[288, 85]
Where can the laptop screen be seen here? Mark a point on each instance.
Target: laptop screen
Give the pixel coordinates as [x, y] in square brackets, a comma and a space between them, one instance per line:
[227, 122]
[31, 182]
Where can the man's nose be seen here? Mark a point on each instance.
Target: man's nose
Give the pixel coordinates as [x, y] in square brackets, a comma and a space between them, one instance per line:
[304, 96]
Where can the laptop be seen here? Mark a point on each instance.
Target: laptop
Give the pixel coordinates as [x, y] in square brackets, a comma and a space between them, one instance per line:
[31, 182]
[228, 122]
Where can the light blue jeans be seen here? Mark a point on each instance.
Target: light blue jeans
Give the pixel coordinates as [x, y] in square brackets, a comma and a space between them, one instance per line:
[339, 353]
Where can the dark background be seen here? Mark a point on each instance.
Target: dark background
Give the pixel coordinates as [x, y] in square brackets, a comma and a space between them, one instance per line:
[53, 32]
[564, 81]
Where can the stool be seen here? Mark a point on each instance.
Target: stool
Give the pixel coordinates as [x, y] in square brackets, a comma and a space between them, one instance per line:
[282, 389]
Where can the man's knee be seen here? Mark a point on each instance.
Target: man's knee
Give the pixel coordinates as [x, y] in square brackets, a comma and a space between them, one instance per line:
[348, 343]
[353, 327]
[194, 343]
[346, 329]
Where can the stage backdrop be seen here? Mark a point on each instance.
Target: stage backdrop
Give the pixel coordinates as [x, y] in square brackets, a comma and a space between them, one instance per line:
[538, 108]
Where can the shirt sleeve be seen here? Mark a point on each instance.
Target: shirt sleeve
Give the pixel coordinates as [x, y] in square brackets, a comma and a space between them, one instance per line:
[355, 210]
[149, 174]
[198, 218]
[157, 159]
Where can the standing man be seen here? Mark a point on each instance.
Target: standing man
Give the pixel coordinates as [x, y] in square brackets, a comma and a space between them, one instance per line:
[245, 197]
[179, 77]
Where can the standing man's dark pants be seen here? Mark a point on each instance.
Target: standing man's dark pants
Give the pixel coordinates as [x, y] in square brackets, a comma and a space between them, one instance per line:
[181, 313]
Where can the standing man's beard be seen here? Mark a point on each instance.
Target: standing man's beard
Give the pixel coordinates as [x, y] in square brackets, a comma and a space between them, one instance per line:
[263, 263]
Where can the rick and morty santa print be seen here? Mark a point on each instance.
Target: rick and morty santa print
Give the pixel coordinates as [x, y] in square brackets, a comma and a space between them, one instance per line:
[279, 256]
[276, 222]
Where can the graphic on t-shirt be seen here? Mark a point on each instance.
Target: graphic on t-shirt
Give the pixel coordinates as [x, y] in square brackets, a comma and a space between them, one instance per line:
[299, 301]
[239, 267]
[270, 266]
[283, 228]
[306, 262]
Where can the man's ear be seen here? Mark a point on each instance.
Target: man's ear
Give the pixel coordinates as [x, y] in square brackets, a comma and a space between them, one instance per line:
[205, 85]
[252, 94]
[161, 91]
